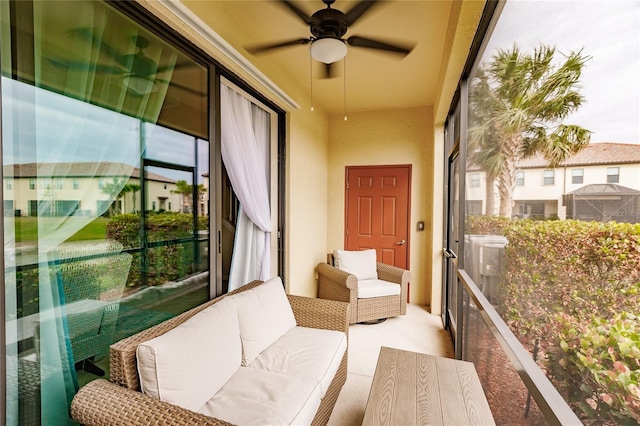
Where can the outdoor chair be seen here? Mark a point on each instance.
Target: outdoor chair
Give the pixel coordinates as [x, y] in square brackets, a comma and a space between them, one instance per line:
[376, 291]
[91, 289]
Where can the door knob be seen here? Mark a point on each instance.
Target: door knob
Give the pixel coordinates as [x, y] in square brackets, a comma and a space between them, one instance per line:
[403, 242]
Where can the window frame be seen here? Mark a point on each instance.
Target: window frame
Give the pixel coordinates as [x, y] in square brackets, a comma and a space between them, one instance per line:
[520, 178]
[574, 176]
[474, 180]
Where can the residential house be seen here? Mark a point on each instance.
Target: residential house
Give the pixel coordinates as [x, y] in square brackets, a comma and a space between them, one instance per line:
[83, 189]
[601, 182]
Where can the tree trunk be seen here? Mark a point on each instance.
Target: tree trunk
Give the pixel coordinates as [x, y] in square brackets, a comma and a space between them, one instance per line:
[490, 195]
[507, 177]
[506, 202]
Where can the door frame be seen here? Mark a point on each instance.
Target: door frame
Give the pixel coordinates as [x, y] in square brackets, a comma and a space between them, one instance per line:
[453, 260]
[409, 167]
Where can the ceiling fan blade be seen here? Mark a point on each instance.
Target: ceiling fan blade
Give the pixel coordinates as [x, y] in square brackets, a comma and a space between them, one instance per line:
[88, 35]
[163, 68]
[358, 10]
[329, 71]
[173, 84]
[368, 43]
[85, 66]
[299, 12]
[263, 47]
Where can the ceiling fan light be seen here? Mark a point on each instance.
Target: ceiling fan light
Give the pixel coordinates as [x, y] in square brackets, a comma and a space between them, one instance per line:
[140, 85]
[328, 50]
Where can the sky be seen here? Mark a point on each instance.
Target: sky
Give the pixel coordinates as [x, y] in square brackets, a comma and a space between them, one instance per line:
[608, 32]
[68, 130]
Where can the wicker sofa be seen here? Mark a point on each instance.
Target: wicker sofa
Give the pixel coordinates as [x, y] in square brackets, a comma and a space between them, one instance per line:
[121, 400]
[342, 285]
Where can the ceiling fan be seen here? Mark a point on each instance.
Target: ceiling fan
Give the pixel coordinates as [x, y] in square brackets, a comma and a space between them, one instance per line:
[138, 70]
[328, 27]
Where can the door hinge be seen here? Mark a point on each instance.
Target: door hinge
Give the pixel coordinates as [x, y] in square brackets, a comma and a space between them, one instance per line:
[347, 184]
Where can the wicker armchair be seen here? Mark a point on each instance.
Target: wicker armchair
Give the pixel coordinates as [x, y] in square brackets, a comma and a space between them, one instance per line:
[90, 318]
[339, 285]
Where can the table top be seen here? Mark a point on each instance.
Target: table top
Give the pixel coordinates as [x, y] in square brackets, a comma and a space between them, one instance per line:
[411, 388]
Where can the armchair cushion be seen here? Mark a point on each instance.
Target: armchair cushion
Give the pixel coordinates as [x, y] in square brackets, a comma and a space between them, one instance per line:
[377, 288]
[264, 315]
[362, 263]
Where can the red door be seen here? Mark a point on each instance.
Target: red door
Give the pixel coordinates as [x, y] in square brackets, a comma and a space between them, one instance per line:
[377, 212]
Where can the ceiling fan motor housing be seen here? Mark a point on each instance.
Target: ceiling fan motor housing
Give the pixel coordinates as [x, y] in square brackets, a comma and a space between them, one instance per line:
[328, 23]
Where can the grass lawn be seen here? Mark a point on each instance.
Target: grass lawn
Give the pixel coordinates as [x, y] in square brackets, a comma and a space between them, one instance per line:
[27, 228]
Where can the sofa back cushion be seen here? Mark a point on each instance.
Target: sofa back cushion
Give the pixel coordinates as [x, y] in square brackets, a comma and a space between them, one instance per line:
[187, 365]
[264, 315]
[361, 263]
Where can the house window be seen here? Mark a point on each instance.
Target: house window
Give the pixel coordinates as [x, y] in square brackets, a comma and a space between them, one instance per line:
[59, 183]
[474, 207]
[170, 206]
[475, 180]
[577, 175]
[32, 184]
[76, 184]
[153, 205]
[100, 183]
[548, 177]
[520, 178]
[613, 174]
[8, 184]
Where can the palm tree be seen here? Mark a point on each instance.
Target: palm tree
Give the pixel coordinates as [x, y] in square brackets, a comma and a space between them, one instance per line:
[517, 106]
[186, 190]
[114, 190]
[133, 188]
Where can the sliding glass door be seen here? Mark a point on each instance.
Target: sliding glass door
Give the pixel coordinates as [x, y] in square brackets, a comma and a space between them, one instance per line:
[105, 149]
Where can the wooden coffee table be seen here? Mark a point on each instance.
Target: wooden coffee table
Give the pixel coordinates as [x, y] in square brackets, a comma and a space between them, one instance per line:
[411, 388]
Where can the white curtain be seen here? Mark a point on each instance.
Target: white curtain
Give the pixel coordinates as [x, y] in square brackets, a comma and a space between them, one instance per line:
[245, 152]
[52, 130]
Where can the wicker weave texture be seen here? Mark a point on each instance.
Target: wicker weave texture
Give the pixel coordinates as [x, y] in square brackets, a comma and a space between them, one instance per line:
[329, 401]
[102, 403]
[335, 284]
[121, 403]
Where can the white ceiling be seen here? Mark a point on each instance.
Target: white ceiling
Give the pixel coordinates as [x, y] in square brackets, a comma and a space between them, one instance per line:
[374, 80]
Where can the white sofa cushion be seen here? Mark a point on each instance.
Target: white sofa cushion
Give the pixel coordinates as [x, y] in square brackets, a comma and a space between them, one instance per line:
[362, 263]
[187, 365]
[311, 353]
[258, 397]
[264, 315]
[377, 288]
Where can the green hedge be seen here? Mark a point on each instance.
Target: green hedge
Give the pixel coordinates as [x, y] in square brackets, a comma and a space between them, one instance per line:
[560, 272]
[160, 264]
[600, 363]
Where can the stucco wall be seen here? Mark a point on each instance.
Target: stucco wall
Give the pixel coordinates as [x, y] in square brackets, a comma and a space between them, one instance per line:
[319, 147]
[306, 201]
[402, 136]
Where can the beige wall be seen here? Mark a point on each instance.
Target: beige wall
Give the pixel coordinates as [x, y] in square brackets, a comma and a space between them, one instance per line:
[402, 136]
[307, 159]
[319, 148]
